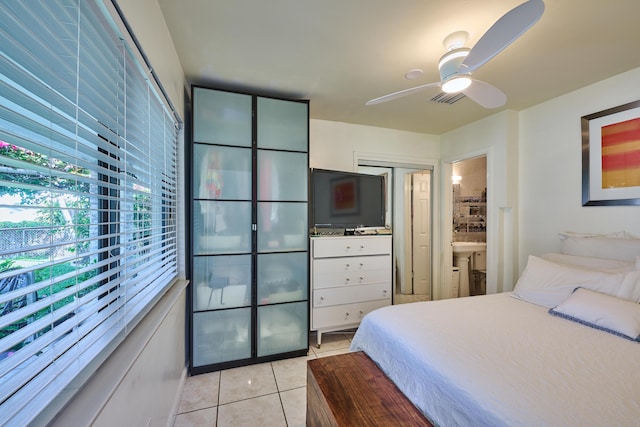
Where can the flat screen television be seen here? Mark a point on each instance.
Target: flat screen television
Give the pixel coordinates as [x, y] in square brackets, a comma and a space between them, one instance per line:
[347, 199]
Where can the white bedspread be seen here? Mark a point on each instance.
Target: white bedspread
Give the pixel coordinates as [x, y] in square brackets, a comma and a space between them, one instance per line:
[497, 361]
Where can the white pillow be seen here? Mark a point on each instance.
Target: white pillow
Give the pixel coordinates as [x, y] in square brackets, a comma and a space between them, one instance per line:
[602, 247]
[547, 284]
[616, 234]
[597, 310]
[591, 263]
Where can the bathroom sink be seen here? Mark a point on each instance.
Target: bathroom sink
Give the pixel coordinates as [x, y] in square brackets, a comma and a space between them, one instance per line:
[467, 248]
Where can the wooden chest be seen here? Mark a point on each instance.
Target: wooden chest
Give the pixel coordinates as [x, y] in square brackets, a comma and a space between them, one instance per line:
[350, 390]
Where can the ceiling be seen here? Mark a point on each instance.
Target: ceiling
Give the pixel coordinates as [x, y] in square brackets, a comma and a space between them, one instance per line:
[341, 53]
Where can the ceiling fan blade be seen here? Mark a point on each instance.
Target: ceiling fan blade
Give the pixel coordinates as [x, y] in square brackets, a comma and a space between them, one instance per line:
[488, 96]
[401, 93]
[504, 32]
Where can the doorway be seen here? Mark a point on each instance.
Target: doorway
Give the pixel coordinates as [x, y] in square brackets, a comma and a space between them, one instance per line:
[469, 225]
[417, 236]
[409, 212]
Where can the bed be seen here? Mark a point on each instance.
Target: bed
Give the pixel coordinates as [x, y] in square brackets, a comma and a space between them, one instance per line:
[562, 349]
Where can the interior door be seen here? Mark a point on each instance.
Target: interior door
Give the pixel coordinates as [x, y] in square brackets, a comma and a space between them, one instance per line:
[421, 233]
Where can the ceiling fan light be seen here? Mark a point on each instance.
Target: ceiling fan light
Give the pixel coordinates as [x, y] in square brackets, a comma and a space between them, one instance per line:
[451, 61]
[456, 84]
[456, 54]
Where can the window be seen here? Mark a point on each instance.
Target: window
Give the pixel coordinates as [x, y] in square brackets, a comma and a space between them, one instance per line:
[88, 170]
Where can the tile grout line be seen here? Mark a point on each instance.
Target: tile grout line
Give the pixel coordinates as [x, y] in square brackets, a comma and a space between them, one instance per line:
[218, 399]
[245, 399]
[275, 378]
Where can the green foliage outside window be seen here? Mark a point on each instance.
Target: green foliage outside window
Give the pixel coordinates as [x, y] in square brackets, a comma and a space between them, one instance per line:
[32, 179]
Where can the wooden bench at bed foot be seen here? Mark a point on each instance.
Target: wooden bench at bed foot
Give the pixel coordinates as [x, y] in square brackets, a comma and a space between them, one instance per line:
[350, 390]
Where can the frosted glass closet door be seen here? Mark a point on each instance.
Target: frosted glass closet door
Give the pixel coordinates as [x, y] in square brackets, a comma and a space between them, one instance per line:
[282, 277]
[282, 226]
[222, 199]
[222, 117]
[222, 236]
[221, 172]
[283, 125]
[221, 282]
[282, 201]
[282, 328]
[282, 244]
[221, 336]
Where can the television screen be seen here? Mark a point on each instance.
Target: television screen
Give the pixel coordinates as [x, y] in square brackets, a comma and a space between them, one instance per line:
[347, 199]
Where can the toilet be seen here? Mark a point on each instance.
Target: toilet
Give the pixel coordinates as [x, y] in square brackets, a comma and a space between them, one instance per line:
[455, 282]
[479, 261]
[479, 273]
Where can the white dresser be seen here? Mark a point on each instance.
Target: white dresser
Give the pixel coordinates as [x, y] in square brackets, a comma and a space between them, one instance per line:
[350, 276]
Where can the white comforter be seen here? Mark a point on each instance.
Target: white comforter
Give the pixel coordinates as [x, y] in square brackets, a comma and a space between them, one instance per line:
[498, 361]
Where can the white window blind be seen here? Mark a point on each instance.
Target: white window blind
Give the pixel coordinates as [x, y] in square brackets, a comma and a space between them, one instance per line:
[88, 170]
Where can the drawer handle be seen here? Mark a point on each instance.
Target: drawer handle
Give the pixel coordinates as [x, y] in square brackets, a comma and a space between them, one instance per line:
[348, 265]
[361, 246]
[348, 247]
[361, 264]
[361, 279]
[346, 315]
[322, 298]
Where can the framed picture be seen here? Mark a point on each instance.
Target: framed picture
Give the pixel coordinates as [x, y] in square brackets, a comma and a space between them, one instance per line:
[611, 156]
[344, 196]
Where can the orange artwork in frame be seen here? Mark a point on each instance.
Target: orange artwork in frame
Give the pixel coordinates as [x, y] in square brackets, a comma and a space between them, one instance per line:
[611, 156]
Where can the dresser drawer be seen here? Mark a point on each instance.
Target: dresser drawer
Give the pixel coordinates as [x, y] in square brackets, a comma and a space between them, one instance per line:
[343, 315]
[350, 294]
[329, 272]
[351, 264]
[323, 280]
[351, 246]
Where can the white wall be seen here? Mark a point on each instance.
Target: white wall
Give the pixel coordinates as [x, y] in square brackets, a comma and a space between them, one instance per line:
[535, 182]
[551, 165]
[497, 138]
[334, 145]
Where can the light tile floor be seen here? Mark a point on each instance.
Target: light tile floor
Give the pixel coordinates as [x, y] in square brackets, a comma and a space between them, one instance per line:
[269, 394]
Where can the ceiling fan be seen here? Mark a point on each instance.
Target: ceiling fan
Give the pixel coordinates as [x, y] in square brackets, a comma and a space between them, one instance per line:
[457, 64]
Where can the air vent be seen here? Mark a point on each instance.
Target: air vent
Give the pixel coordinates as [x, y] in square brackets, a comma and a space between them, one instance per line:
[447, 98]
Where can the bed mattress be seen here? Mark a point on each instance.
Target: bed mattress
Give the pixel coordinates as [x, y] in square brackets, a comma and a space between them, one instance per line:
[494, 360]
